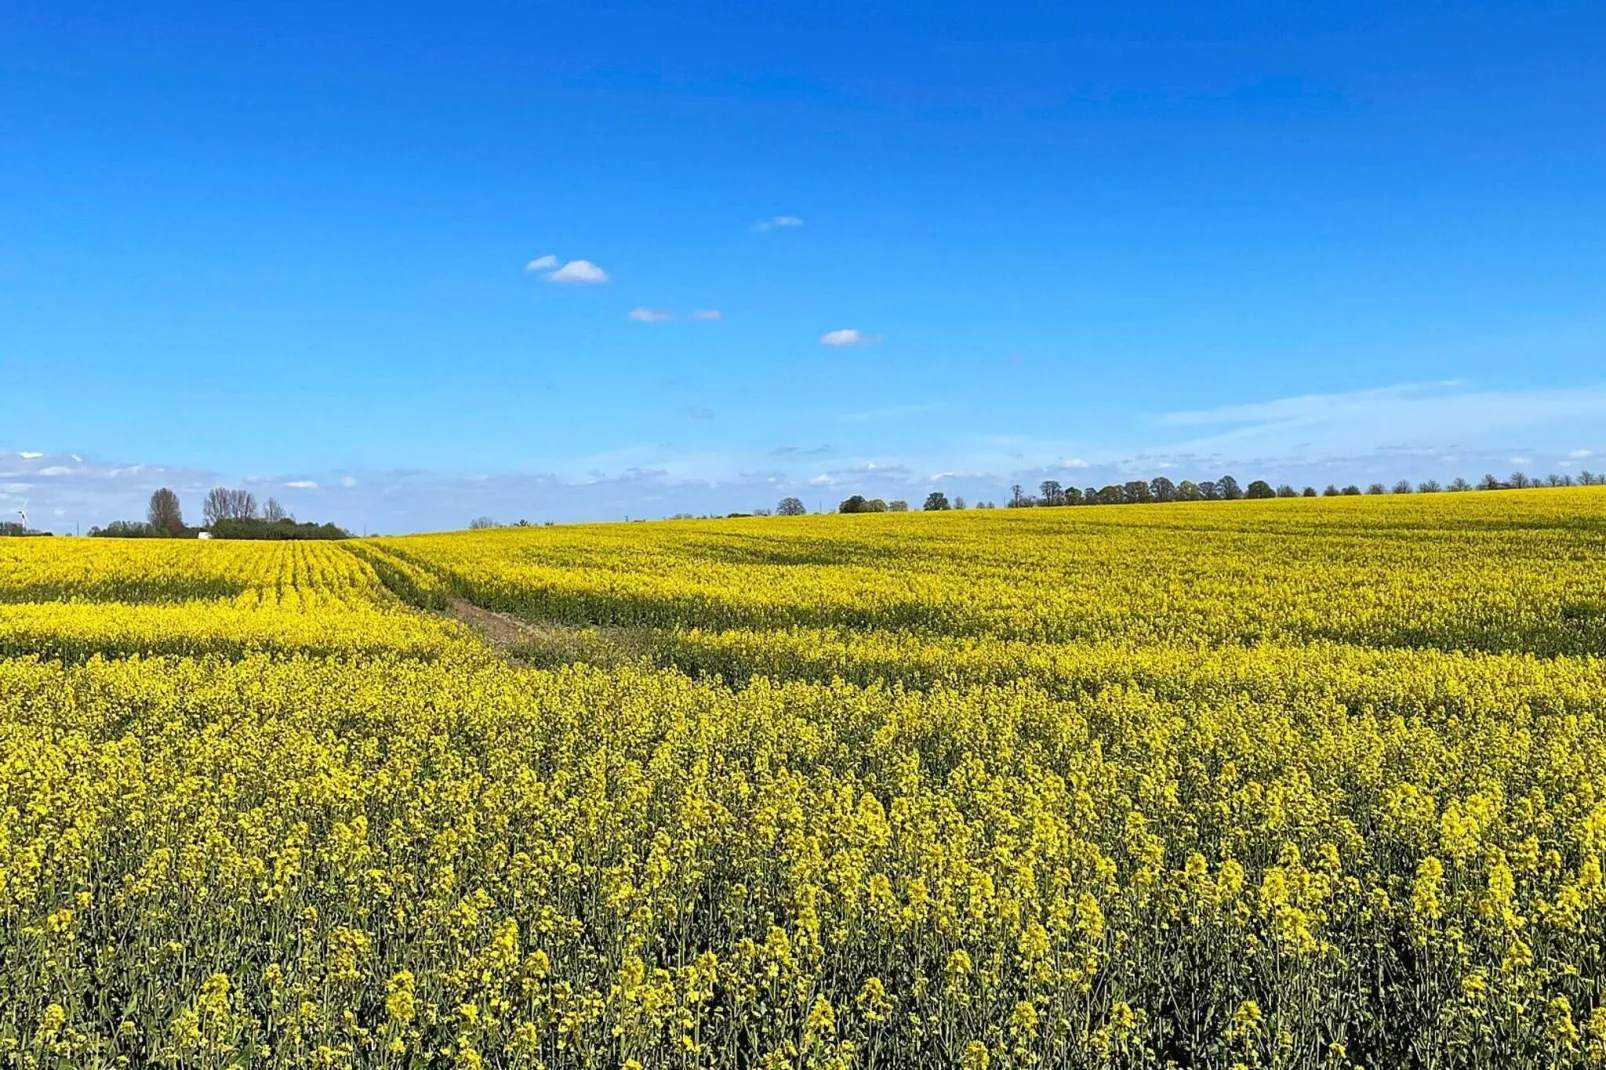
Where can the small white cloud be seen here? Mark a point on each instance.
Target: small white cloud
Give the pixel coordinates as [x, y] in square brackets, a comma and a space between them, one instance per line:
[1072, 462]
[1579, 455]
[821, 480]
[651, 315]
[302, 484]
[706, 314]
[30, 455]
[56, 470]
[348, 481]
[578, 271]
[1522, 460]
[75, 457]
[775, 221]
[848, 337]
[542, 263]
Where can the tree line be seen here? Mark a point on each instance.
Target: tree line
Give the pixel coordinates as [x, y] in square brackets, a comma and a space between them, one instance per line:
[1161, 489]
[226, 513]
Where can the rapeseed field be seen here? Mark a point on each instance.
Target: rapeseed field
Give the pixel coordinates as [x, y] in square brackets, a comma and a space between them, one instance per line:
[1296, 783]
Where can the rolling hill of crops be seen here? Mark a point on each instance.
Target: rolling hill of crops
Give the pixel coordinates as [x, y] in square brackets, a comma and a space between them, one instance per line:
[1296, 783]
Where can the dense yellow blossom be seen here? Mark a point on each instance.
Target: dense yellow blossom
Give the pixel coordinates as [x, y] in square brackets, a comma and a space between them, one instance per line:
[1284, 784]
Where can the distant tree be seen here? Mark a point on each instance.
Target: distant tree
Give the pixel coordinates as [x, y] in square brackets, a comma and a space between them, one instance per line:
[1586, 478]
[273, 512]
[1489, 482]
[1229, 489]
[1284, 490]
[875, 505]
[959, 503]
[1090, 495]
[164, 514]
[790, 507]
[1260, 489]
[935, 502]
[216, 506]
[1017, 499]
[122, 529]
[1111, 495]
[1188, 491]
[1376, 488]
[222, 503]
[1428, 486]
[1553, 480]
[1308, 492]
[1403, 487]
[1520, 481]
[1073, 496]
[1458, 484]
[1330, 491]
[897, 505]
[481, 523]
[1052, 493]
[1209, 490]
[1136, 492]
[854, 504]
[1162, 489]
[763, 511]
[1352, 489]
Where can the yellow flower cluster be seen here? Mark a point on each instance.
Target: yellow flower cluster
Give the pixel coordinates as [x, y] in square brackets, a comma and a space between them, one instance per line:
[1283, 784]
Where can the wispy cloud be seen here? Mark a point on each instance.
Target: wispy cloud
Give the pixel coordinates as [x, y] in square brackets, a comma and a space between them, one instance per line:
[800, 451]
[850, 336]
[706, 314]
[302, 484]
[651, 315]
[1411, 415]
[30, 455]
[775, 222]
[892, 412]
[541, 263]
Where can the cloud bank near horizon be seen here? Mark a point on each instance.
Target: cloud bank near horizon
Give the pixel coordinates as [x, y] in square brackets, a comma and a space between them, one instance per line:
[1412, 431]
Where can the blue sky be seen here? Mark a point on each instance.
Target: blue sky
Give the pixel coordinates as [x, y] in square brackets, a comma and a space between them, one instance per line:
[289, 245]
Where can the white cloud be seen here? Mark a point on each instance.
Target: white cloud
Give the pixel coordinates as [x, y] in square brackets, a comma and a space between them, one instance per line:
[651, 315]
[706, 314]
[542, 263]
[348, 481]
[56, 470]
[1072, 462]
[578, 271]
[1579, 455]
[303, 484]
[775, 221]
[30, 455]
[821, 480]
[850, 336]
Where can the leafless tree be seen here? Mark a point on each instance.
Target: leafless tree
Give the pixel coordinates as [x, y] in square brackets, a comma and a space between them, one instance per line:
[222, 503]
[273, 512]
[164, 514]
[480, 523]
